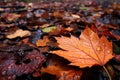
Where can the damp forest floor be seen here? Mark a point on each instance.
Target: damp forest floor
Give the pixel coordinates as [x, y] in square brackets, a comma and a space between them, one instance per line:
[31, 31]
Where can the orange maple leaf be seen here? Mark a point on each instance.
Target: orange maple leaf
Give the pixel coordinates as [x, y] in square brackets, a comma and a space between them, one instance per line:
[89, 50]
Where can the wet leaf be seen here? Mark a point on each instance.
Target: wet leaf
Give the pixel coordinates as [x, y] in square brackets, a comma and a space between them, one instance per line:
[62, 71]
[20, 61]
[87, 51]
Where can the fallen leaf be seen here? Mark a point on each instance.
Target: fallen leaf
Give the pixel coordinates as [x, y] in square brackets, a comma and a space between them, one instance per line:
[42, 42]
[116, 6]
[19, 33]
[44, 25]
[30, 4]
[49, 29]
[97, 15]
[87, 51]
[61, 70]
[60, 30]
[44, 49]
[83, 8]
[69, 29]
[1, 9]
[71, 75]
[58, 14]
[75, 16]
[115, 36]
[26, 41]
[70, 16]
[11, 16]
[6, 25]
[117, 57]
[103, 30]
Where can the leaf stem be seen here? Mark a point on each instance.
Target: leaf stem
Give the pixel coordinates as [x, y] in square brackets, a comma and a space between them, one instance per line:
[107, 72]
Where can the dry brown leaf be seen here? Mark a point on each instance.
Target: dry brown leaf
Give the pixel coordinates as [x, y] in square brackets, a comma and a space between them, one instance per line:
[89, 50]
[19, 33]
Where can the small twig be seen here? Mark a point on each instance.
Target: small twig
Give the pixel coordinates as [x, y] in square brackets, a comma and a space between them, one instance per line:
[107, 72]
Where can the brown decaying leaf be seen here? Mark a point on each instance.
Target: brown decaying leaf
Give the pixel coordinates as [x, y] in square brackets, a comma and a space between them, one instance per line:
[58, 14]
[19, 33]
[26, 41]
[61, 30]
[61, 71]
[103, 30]
[44, 25]
[117, 57]
[6, 25]
[89, 50]
[10, 67]
[115, 36]
[11, 16]
[42, 42]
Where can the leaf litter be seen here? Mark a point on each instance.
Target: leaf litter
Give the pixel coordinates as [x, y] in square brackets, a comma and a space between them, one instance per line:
[81, 34]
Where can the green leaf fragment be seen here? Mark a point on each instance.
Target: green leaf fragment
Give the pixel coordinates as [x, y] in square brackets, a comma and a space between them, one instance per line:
[49, 29]
[83, 8]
